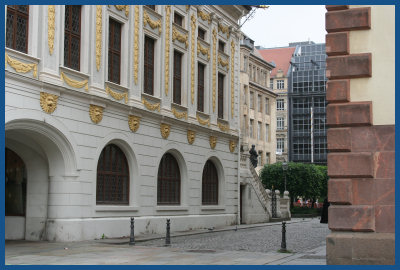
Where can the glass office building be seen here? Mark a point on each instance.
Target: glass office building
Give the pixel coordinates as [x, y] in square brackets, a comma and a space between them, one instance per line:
[307, 104]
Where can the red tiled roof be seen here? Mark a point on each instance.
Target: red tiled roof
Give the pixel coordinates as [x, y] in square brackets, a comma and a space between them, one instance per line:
[280, 56]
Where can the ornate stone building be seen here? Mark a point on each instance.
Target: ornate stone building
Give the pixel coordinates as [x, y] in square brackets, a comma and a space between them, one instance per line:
[120, 111]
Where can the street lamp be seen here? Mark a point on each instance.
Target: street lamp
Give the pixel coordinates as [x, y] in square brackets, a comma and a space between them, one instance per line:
[284, 168]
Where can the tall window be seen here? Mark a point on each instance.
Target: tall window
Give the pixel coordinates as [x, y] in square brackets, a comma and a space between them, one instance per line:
[280, 104]
[114, 51]
[200, 87]
[178, 19]
[221, 46]
[259, 103]
[267, 158]
[259, 131]
[72, 37]
[280, 84]
[266, 105]
[112, 177]
[280, 123]
[209, 184]
[251, 128]
[168, 181]
[266, 132]
[251, 100]
[15, 186]
[177, 77]
[280, 145]
[271, 83]
[148, 66]
[17, 27]
[201, 33]
[221, 96]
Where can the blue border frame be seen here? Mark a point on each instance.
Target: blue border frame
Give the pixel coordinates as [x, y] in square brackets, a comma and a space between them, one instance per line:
[287, 2]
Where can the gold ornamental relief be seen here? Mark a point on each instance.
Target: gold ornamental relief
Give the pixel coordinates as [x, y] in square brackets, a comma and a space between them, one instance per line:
[123, 7]
[96, 113]
[223, 29]
[203, 50]
[98, 35]
[51, 17]
[193, 55]
[165, 130]
[191, 136]
[134, 122]
[21, 67]
[136, 46]
[151, 106]
[223, 127]
[224, 63]
[204, 16]
[203, 121]
[48, 102]
[179, 115]
[74, 83]
[232, 146]
[180, 37]
[167, 29]
[116, 95]
[213, 142]
[214, 67]
[153, 23]
[232, 77]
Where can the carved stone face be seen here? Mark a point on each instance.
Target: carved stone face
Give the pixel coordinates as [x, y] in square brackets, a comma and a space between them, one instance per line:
[50, 102]
[191, 136]
[213, 142]
[165, 130]
[232, 146]
[96, 113]
[134, 122]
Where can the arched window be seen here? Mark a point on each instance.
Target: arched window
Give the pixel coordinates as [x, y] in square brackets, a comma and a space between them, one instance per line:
[112, 177]
[210, 184]
[15, 190]
[169, 181]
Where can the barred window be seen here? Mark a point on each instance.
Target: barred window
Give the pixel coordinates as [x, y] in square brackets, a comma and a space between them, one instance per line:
[72, 37]
[177, 77]
[200, 87]
[148, 71]
[114, 51]
[168, 181]
[17, 27]
[112, 177]
[221, 96]
[210, 184]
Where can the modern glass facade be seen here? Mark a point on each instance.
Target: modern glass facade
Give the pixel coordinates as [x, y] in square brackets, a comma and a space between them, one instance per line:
[307, 104]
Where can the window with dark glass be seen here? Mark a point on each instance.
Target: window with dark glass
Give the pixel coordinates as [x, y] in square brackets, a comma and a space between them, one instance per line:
[221, 95]
[221, 46]
[112, 177]
[148, 66]
[153, 7]
[177, 77]
[209, 184]
[178, 19]
[15, 187]
[114, 51]
[200, 87]
[72, 37]
[17, 27]
[168, 181]
[201, 33]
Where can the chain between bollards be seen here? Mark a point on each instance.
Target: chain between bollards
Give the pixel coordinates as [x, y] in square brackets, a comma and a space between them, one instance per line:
[283, 243]
[168, 236]
[132, 238]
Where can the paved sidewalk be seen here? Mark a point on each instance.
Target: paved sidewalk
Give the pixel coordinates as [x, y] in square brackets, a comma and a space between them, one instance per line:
[117, 251]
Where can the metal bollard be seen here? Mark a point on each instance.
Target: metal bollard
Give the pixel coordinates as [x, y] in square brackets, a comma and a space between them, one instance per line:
[168, 237]
[132, 238]
[283, 243]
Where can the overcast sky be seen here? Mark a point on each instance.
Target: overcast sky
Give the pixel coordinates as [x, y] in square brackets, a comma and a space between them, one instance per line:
[276, 26]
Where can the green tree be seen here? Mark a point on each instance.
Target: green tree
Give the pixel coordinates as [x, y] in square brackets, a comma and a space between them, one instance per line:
[305, 180]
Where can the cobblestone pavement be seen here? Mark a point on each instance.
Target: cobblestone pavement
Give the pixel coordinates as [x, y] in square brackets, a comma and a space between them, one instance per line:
[300, 237]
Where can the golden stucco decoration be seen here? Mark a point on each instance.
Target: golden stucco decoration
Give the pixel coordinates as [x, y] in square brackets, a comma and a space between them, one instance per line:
[179, 115]
[232, 77]
[136, 46]
[167, 29]
[232, 146]
[21, 67]
[151, 106]
[165, 130]
[204, 16]
[96, 113]
[134, 122]
[48, 102]
[153, 23]
[214, 67]
[74, 83]
[193, 19]
[191, 136]
[223, 29]
[223, 127]
[224, 63]
[51, 17]
[123, 7]
[98, 35]
[116, 95]
[179, 36]
[187, 7]
[203, 50]
[203, 121]
[213, 142]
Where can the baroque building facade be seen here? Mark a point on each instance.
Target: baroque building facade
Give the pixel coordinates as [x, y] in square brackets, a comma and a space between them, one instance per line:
[116, 111]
